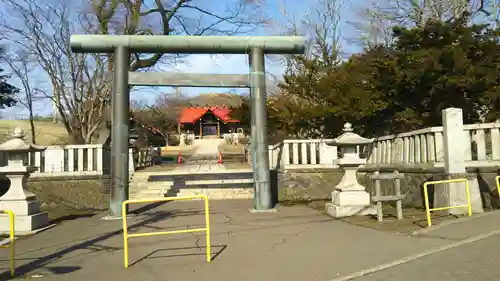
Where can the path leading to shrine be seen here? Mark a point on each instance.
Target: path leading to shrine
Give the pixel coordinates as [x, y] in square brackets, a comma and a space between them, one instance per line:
[204, 158]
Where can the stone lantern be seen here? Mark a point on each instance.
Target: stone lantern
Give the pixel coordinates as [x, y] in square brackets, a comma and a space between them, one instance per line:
[18, 199]
[349, 197]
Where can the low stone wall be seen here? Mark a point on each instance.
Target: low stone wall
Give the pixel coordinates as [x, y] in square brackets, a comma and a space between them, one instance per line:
[92, 192]
[306, 184]
[317, 184]
[83, 192]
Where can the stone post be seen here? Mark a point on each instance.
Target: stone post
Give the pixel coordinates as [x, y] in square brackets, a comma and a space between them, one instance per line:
[455, 148]
[349, 197]
[182, 139]
[18, 199]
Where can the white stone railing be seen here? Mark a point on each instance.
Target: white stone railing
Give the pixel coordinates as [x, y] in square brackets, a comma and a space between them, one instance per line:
[75, 160]
[298, 154]
[425, 147]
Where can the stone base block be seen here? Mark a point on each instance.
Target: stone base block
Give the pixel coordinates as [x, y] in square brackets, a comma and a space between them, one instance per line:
[338, 211]
[454, 194]
[21, 208]
[255, 211]
[350, 198]
[24, 224]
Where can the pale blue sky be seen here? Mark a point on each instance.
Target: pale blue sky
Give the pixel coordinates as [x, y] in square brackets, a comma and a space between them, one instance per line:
[226, 64]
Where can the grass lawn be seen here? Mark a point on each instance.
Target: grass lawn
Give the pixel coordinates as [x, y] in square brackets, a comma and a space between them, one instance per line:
[413, 219]
[47, 133]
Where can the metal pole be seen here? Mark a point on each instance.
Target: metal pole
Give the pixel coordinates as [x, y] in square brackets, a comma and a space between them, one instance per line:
[260, 153]
[253, 141]
[120, 132]
[178, 95]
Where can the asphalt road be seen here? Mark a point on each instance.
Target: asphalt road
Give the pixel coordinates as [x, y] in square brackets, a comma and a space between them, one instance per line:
[476, 261]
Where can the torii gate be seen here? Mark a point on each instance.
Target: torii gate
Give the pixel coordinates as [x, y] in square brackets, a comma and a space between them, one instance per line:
[123, 45]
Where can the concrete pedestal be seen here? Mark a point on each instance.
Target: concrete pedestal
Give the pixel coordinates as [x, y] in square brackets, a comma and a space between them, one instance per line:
[350, 203]
[453, 194]
[27, 219]
[26, 208]
[17, 199]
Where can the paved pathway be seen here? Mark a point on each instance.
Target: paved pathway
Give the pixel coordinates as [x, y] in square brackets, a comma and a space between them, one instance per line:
[472, 253]
[476, 261]
[204, 158]
[207, 147]
[294, 244]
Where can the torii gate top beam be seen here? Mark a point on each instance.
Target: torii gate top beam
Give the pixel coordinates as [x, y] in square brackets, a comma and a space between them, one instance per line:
[188, 44]
[189, 79]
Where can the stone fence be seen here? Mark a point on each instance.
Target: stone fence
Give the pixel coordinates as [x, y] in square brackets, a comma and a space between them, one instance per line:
[305, 168]
[425, 148]
[82, 160]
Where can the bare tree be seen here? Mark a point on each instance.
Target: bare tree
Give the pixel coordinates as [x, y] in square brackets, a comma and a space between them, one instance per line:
[376, 19]
[80, 84]
[161, 117]
[22, 66]
[320, 25]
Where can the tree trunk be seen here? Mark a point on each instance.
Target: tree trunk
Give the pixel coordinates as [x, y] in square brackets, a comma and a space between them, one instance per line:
[76, 138]
[32, 125]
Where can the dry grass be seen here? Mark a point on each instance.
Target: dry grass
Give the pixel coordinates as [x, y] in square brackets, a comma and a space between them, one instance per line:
[47, 133]
[413, 219]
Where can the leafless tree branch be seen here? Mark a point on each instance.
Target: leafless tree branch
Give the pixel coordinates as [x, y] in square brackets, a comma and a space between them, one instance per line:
[79, 83]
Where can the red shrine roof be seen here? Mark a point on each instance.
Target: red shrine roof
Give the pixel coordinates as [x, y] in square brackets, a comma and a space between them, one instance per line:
[192, 114]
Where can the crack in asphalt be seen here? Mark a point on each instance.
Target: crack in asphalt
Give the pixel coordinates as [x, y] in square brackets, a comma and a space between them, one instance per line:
[286, 239]
[197, 242]
[228, 222]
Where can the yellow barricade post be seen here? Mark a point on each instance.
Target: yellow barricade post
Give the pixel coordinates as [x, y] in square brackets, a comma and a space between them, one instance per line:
[426, 198]
[11, 245]
[126, 236]
[497, 180]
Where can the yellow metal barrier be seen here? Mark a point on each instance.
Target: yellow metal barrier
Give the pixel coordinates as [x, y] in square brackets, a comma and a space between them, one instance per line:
[11, 243]
[126, 236]
[497, 180]
[426, 198]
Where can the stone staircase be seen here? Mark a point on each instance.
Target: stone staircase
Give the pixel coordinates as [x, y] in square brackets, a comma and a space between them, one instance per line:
[140, 188]
[218, 193]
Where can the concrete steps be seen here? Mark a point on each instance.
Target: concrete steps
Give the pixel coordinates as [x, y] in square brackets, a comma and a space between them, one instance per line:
[140, 188]
[218, 193]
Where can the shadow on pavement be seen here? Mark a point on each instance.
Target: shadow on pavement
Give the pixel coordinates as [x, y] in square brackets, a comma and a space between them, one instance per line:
[153, 255]
[42, 262]
[72, 217]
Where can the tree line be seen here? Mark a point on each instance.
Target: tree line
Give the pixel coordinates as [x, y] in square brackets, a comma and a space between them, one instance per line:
[36, 34]
[391, 86]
